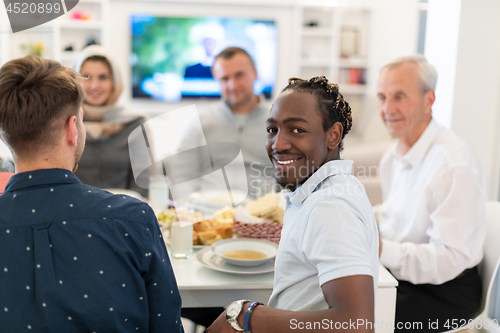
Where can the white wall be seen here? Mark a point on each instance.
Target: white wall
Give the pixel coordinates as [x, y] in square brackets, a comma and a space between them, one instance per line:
[464, 43]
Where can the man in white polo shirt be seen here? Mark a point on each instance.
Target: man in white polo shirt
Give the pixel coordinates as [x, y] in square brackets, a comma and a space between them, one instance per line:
[432, 220]
[326, 270]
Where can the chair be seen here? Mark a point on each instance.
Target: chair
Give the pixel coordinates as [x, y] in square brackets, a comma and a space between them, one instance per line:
[4, 179]
[489, 272]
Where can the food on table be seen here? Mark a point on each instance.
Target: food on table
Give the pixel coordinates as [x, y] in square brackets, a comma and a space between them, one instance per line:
[205, 232]
[209, 237]
[267, 207]
[245, 254]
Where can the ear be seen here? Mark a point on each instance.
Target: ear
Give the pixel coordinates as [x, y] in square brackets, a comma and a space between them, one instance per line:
[71, 131]
[334, 135]
[429, 99]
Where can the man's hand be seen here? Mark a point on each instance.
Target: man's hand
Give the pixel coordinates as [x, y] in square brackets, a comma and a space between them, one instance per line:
[220, 325]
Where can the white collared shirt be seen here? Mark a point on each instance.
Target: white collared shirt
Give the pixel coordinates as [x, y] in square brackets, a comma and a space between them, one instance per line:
[433, 219]
[329, 232]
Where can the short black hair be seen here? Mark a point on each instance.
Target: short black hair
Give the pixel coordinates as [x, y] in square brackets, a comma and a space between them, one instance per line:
[331, 102]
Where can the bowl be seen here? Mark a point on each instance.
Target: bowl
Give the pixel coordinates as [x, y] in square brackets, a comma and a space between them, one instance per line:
[267, 248]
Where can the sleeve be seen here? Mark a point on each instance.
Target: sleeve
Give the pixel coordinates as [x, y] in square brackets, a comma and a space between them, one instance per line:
[456, 233]
[164, 299]
[338, 242]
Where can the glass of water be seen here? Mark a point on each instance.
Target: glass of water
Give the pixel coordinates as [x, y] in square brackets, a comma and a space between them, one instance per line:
[181, 233]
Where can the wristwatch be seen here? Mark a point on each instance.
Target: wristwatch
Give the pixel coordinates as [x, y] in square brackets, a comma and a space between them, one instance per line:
[232, 313]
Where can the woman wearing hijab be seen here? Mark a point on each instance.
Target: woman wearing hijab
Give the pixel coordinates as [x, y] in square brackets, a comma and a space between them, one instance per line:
[105, 162]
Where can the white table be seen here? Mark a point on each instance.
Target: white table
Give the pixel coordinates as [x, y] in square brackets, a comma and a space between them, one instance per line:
[203, 287]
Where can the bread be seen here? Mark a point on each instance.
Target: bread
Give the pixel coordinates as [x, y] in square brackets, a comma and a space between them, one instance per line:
[209, 237]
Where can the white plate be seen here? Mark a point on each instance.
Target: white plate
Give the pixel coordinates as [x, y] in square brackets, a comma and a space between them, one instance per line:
[214, 200]
[130, 193]
[268, 248]
[208, 259]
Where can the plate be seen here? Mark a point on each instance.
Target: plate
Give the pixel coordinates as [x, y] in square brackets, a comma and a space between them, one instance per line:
[210, 201]
[208, 259]
[130, 193]
[270, 249]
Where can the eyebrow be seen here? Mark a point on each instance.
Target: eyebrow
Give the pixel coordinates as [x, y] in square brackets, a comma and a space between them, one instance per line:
[288, 120]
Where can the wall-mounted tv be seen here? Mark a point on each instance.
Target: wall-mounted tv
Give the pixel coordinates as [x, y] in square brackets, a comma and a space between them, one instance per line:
[171, 56]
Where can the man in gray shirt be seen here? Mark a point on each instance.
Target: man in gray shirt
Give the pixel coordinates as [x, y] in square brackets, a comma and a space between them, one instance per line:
[233, 134]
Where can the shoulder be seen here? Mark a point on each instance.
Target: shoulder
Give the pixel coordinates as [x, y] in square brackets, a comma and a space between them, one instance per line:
[106, 205]
[451, 150]
[340, 193]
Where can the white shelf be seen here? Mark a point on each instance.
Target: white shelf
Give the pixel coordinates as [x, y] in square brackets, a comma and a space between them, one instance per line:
[316, 32]
[319, 47]
[353, 89]
[59, 33]
[316, 63]
[81, 24]
[353, 62]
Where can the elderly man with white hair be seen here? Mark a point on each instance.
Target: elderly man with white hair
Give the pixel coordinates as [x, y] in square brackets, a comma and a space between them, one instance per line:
[432, 220]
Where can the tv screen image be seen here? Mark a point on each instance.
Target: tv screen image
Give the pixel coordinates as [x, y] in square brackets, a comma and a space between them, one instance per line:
[171, 56]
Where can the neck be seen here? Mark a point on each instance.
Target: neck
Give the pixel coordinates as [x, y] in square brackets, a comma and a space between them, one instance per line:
[406, 143]
[25, 165]
[246, 107]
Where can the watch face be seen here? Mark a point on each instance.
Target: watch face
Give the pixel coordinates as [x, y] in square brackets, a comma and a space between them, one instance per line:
[233, 309]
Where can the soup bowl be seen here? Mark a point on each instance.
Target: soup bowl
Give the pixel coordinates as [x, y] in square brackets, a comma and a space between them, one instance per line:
[245, 249]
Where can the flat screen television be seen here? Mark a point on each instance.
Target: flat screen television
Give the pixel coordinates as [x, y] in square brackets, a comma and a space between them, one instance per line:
[171, 56]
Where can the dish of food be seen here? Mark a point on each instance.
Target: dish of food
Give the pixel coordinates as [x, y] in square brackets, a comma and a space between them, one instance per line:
[249, 252]
[208, 259]
[206, 231]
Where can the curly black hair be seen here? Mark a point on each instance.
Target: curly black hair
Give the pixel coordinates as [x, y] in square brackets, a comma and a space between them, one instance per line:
[331, 102]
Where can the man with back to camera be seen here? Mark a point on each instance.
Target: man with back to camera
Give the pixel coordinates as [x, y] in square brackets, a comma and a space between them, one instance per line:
[73, 258]
[240, 115]
[432, 220]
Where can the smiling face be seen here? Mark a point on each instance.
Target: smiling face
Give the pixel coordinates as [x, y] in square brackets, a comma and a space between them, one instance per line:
[404, 110]
[297, 144]
[236, 76]
[99, 85]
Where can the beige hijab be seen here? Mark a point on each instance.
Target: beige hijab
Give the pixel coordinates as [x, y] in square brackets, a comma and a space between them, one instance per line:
[110, 118]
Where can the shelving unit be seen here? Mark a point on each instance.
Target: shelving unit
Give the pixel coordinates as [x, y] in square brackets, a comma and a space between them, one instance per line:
[76, 28]
[334, 41]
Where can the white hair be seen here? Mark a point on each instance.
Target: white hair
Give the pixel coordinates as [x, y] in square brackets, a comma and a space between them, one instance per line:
[426, 72]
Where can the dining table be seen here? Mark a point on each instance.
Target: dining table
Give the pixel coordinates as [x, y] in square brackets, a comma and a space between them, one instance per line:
[201, 286]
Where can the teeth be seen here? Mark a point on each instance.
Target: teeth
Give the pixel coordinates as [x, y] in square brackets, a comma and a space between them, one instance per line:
[285, 162]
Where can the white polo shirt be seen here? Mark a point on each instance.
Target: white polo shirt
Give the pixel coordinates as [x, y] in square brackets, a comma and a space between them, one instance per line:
[329, 232]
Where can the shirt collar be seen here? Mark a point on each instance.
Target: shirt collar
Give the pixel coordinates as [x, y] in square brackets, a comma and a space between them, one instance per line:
[328, 169]
[40, 177]
[229, 113]
[417, 152]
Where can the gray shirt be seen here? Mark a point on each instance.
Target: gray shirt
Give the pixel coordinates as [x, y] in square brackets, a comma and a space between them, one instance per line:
[204, 153]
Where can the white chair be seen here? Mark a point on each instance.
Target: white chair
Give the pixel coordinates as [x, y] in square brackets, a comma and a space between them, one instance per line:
[488, 270]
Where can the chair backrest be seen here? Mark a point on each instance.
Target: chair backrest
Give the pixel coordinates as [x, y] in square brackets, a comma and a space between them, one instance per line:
[491, 259]
[4, 179]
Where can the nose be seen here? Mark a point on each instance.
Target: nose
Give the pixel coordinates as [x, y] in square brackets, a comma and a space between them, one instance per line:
[280, 142]
[230, 84]
[388, 106]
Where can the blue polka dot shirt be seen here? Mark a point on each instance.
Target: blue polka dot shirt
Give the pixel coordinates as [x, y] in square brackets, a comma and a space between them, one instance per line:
[74, 258]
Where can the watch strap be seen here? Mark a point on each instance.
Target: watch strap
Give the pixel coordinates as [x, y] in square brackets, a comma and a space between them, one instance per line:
[248, 313]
